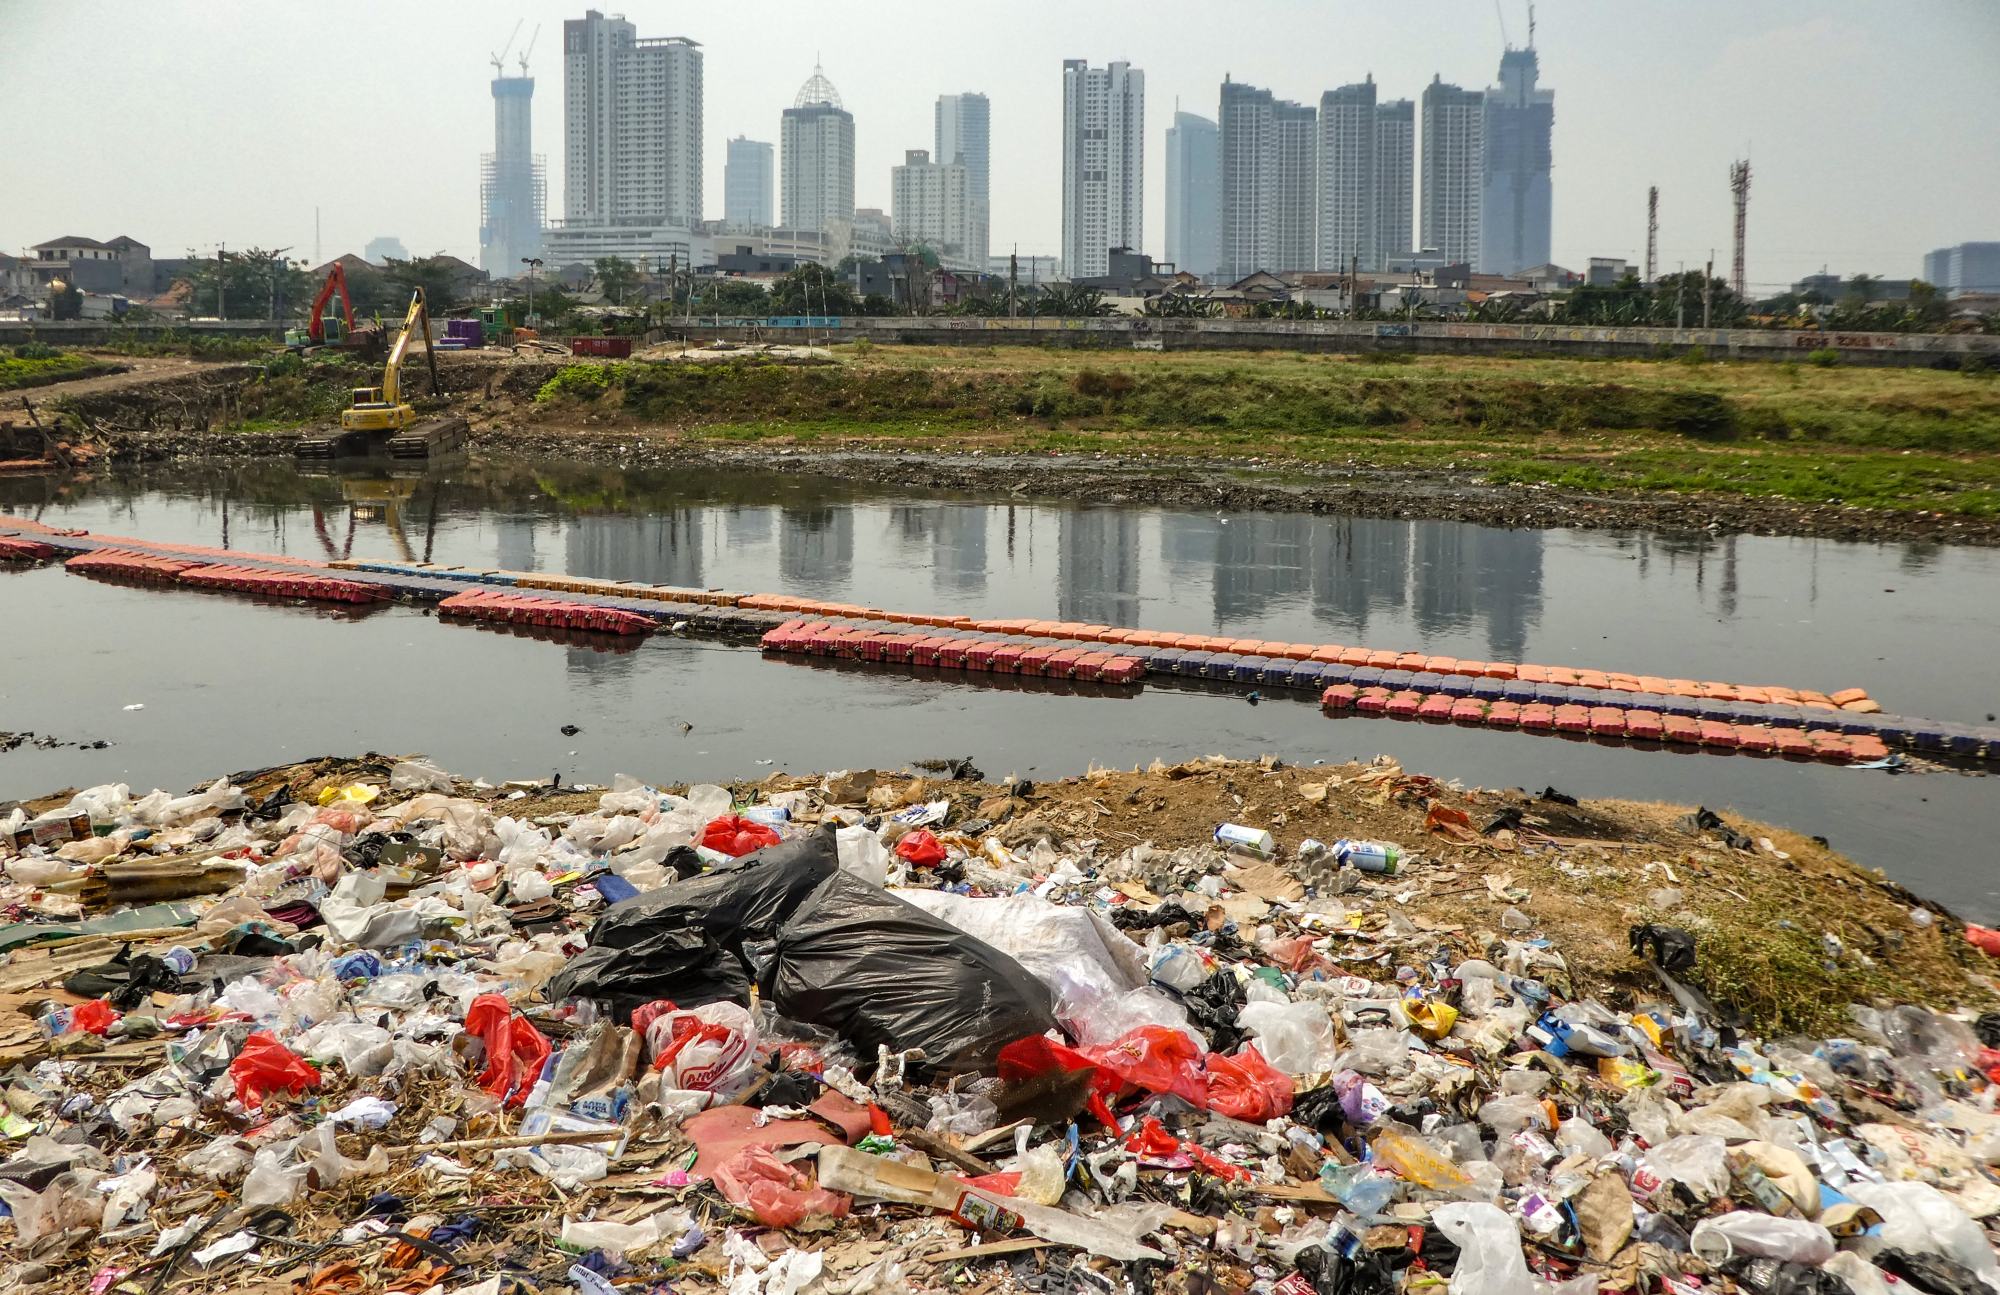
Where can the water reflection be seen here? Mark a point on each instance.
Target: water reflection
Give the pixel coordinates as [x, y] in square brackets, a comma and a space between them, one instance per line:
[816, 549]
[1097, 566]
[1817, 613]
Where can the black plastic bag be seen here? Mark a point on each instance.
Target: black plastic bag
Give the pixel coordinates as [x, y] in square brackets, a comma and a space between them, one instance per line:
[685, 941]
[125, 980]
[1213, 1005]
[1671, 947]
[875, 970]
[1933, 1273]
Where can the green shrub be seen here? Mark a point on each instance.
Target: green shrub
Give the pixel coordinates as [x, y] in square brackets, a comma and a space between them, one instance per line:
[1099, 382]
[1825, 357]
[580, 381]
[35, 351]
[1695, 355]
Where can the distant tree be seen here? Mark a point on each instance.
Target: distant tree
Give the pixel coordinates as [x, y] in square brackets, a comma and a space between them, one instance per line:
[1074, 301]
[878, 305]
[437, 274]
[812, 290]
[724, 296]
[1178, 304]
[246, 281]
[616, 276]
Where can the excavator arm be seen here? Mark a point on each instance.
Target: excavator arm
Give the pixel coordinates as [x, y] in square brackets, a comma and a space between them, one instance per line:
[392, 372]
[336, 278]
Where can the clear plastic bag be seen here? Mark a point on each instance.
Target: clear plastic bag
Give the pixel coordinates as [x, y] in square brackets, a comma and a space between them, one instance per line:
[1489, 1260]
[1719, 1239]
[1697, 1161]
[1920, 1218]
[1297, 1038]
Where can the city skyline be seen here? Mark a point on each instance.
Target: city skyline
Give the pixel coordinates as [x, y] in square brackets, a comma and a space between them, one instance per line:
[1841, 62]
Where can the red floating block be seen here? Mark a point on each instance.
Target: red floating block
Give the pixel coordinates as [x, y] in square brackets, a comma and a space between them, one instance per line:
[1437, 706]
[1573, 719]
[1122, 669]
[1714, 733]
[1644, 725]
[1755, 737]
[1539, 716]
[1372, 701]
[1339, 697]
[1468, 710]
[1504, 714]
[1404, 705]
[1792, 742]
[1680, 728]
[1607, 721]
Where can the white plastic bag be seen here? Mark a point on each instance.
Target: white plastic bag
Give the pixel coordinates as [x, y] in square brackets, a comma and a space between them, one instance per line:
[418, 775]
[271, 1181]
[1489, 1245]
[862, 853]
[710, 1049]
[1697, 1161]
[1297, 1038]
[1919, 1218]
[1744, 1232]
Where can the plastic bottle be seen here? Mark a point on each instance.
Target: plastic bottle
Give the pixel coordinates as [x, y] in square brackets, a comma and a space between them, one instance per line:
[179, 960]
[1368, 856]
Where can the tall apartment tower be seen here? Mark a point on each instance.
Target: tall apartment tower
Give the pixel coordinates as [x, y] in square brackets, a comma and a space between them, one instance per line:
[931, 203]
[963, 135]
[749, 190]
[1347, 179]
[1194, 194]
[1454, 170]
[1514, 233]
[1104, 152]
[513, 186]
[1395, 181]
[817, 157]
[1269, 164]
[631, 125]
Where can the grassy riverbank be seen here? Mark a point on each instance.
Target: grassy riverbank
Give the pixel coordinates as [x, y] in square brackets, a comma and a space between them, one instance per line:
[20, 372]
[1876, 438]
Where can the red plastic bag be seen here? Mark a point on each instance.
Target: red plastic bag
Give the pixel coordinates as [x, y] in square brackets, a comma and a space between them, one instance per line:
[735, 836]
[1983, 938]
[920, 849]
[1038, 1055]
[776, 1194]
[94, 1017]
[266, 1066]
[515, 1050]
[1247, 1087]
[1156, 1059]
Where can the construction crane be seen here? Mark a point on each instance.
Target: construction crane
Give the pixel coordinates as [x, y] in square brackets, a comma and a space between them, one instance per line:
[381, 409]
[530, 48]
[499, 61]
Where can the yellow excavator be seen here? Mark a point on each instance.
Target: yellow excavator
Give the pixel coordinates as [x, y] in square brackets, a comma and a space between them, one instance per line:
[381, 409]
[374, 410]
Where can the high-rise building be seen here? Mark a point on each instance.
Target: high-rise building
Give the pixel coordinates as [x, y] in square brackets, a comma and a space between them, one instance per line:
[631, 125]
[1347, 197]
[513, 188]
[931, 203]
[1515, 219]
[1104, 150]
[1269, 164]
[816, 148]
[963, 135]
[1454, 170]
[749, 195]
[1966, 267]
[1194, 194]
[1395, 181]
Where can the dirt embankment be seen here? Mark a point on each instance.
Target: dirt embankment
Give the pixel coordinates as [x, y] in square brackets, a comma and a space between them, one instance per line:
[1252, 485]
[236, 410]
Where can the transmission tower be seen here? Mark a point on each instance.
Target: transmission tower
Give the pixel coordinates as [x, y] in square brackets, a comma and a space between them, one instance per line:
[1652, 232]
[1739, 185]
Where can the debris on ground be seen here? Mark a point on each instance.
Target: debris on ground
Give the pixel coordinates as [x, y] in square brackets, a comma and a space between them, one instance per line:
[361, 1025]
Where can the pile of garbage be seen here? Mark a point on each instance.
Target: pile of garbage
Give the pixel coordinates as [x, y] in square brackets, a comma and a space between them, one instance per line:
[384, 1030]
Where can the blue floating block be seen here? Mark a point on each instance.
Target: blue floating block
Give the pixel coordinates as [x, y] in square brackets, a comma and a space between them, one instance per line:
[1332, 672]
[1220, 665]
[1367, 676]
[1487, 690]
[1427, 681]
[1517, 691]
[1456, 685]
[1193, 664]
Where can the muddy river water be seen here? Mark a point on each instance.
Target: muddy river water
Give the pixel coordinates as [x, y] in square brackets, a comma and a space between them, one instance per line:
[227, 683]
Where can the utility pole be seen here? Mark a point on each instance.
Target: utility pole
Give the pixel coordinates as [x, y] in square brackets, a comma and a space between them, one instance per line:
[1708, 288]
[1013, 282]
[220, 275]
[1680, 296]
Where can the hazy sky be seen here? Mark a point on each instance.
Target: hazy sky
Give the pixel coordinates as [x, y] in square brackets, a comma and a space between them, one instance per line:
[1873, 125]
